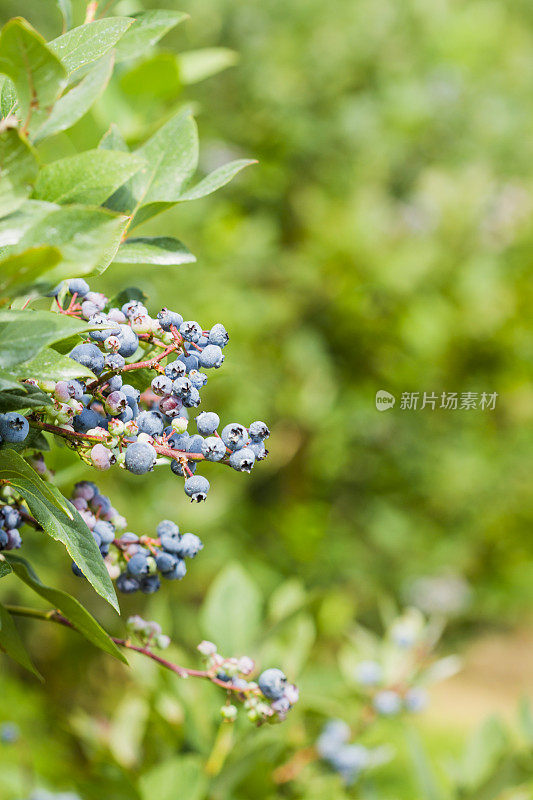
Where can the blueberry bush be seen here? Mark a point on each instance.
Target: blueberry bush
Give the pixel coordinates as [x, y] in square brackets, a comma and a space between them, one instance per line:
[381, 243]
[100, 374]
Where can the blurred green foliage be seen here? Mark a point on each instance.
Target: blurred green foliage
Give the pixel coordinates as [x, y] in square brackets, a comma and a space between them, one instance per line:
[383, 242]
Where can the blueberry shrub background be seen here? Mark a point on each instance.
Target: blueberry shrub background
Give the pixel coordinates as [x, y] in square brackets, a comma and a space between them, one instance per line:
[382, 242]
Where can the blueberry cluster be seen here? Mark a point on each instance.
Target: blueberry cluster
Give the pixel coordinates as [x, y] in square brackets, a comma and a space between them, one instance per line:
[349, 760]
[11, 519]
[135, 562]
[269, 699]
[388, 697]
[109, 420]
[148, 633]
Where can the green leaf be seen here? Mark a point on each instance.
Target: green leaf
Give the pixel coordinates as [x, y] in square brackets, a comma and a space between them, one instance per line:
[24, 270]
[73, 105]
[88, 238]
[5, 568]
[232, 611]
[171, 157]
[36, 72]
[89, 42]
[25, 397]
[25, 333]
[88, 177]
[219, 177]
[148, 28]
[113, 140]
[18, 170]
[160, 250]
[157, 77]
[45, 503]
[11, 643]
[49, 365]
[197, 65]
[65, 9]
[181, 776]
[68, 606]
[422, 767]
[8, 97]
[8, 381]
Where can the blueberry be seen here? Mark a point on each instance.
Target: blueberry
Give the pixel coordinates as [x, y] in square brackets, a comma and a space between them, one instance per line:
[14, 428]
[4, 539]
[193, 399]
[102, 504]
[234, 436]
[129, 341]
[127, 584]
[114, 361]
[114, 383]
[189, 545]
[218, 335]
[170, 542]
[138, 565]
[89, 356]
[242, 460]
[198, 379]
[178, 441]
[334, 734]
[77, 571]
[161, 385]
[116, 403]
[259, 450]
[150, 422]
[258, 431]
[105, 327]
[177, 572]
[416, 699]
[197, 488]
[150, 584]
[133, 307]
[190, 362]
[131, 392]
[207, 422]
[78, 286]
[369, 673]
[176, 369]
[102, 457]
[166, 526]
[105, 530]
[170, 406]
[194, 444]
[178, 469]
[272, 683]
[140, 458]
[167, 318]
[166, 561]
[12, 517]
[182, 387]
[88, 419]
[190, 331]
[211, 356]
[213, 448]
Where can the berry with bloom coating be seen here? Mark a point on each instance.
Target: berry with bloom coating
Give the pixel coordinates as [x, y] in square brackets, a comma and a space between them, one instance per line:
[234, 436]
[140, 458]
[166, 526]
[138, 565]
[196, 488]
[14, 428]
[129, 341]
[102, 457]
[190, 331]
[369, 673]
[161, 385]
[207, 422]
[150, 422]
[127, 584]
[213, 448]
[211, 356]
[218, 335]
[189, 545]
[78, 286]
[258, 431]
[177, 572]
[88, 355]
[272, 683]
[116, 402]
[242, 460]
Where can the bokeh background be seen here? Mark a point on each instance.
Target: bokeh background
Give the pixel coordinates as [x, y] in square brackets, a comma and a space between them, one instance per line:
[382, 242]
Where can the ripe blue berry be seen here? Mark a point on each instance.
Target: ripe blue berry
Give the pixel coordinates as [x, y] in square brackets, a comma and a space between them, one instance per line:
[151, 422]
[198, 379]
[138, 565]
[161, 385]
[105, 531]
[182, 387]
[14, 428]
[272, 683]
[178, 468]
[258, 431]
[140, 458]
[166, 561]
[190, 331]
[190, 362]
[193, 399]
[211, 356]
[234, 436]
[89, 356]
[129, 341]
[167, 318]
[150, 584]
[387, 702]
[197, 488]
[166, 526]
[218, 335]
[176, 369]
[78, 286]
[213, 448]
[88, 419]
[259, 450]
[189, 545]
[127, 584]
[177, 572]
[242, 460]
[207, 422]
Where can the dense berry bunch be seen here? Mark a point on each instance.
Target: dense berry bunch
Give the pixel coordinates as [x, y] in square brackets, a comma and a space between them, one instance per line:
[269, 699]
[135, 562]
[110, 420]
[349, 760]
[11, 519]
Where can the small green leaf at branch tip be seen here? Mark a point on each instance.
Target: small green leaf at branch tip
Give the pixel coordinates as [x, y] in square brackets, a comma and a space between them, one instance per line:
[71, 608]
[147, 29]
[11, 643]
[216, 179]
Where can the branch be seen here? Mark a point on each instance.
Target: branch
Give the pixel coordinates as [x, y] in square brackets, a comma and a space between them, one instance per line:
[182, 672]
